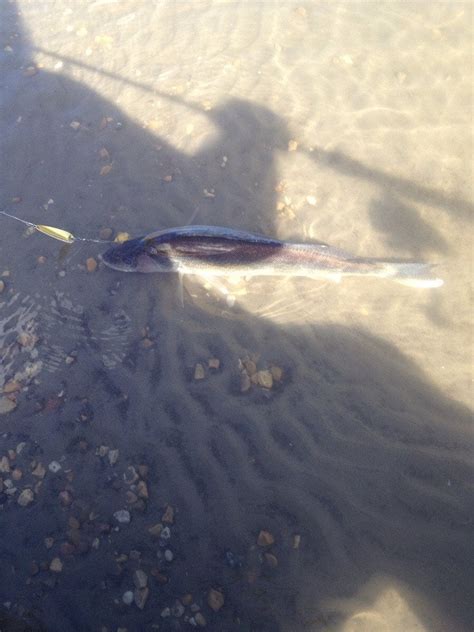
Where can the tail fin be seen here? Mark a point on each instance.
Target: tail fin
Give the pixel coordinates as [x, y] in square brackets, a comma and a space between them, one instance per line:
[413, 274]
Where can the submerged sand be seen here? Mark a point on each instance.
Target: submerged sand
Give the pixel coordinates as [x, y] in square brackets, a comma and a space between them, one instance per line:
[345, 123]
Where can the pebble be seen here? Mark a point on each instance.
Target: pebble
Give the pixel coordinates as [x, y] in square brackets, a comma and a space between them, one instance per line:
[142, 489]
[39, 471]
[131, 498]
[265, 538]
[277, 373]
[140, 596]
[113, 456]
[311, 200]
[17, 474]
[199, 373]
[91, 264]
[54, 467]
[130, 475]
[166, 612]
[215, 599]
[165, 533]
[214, 363]
[11, 387]
[122, 516]
[168, 516]
[292, 145]
[105, 233]
[2, 286]
[25, 498]
[56, 565]
[140, 579]
[4, 465]
[121, 237]
[195, 607]
[6, 405]
[250, 366]
[155, 530]
[296, 541]
[178, 609]
[65, 498]
[20, 447]
[169, 555]
[200, 619]
[48, 542]
[127, 597]
[265, 379]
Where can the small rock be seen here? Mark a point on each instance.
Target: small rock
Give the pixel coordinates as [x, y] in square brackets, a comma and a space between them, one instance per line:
[39, 471]
[166, 612]
[113, 456]
[54, 467]
[296, 541]
[48, 542]
[20, 447]
[265, 379]
[178, 609]
[140, 597]
[56, 565]
[25, 498]
[102, 450]
[155, 530]
[91, 264]
[75, 125]
[215, 599]
[95, 543]
[130, 475]
[271, 560]
[105, 233]
[11, 387]
[187, 599]
[41, 260]
[11, 455]
[74, 523]
[6, 405]
[200, 619]
[311, 200]
[65, 498]
[195, 607]
[292, 145]
[169, 555]
[2, 286]
[250, 366]
[17, 474]
[127, 597]
[165, 533]
[265, 538]
[140, 579]
[142, 489]
[4, 465]
[199, 372]
[122, 516]
[277, 373]
[121, 237]
[214, 363]
[131, 498]
[168, 516]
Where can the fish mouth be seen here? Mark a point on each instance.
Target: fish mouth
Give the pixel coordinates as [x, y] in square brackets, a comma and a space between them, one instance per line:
[124, 257]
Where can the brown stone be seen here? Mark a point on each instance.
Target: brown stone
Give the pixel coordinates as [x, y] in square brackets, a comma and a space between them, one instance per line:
[142, 489]
[187, 599]
[277, 373]
[168, 516]
[91, 264]
[39, 471]
[250, 367]
[214, 363]
[265, 538]
[215, 599]
[155, 530]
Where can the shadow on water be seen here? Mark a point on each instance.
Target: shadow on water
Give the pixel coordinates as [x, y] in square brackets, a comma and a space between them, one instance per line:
[356, 451]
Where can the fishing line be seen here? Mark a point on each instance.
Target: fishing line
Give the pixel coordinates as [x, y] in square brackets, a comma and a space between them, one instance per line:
[57, 233]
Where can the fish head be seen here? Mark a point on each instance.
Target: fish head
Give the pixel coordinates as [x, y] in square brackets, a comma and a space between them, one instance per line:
[139, 255]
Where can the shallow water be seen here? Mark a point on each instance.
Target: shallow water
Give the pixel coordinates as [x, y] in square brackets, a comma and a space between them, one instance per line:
[347, 123]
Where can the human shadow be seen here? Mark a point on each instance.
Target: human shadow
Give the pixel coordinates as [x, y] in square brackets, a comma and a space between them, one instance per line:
[354, 449]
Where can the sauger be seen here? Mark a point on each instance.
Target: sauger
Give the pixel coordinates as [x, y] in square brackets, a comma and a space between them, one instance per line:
[212, 250]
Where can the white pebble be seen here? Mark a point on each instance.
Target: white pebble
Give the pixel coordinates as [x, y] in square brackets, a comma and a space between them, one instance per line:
[127, 597]
[54, 467]
[169, 555]
[122, 516]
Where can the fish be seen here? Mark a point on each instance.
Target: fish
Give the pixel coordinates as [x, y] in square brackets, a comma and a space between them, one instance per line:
[219, 251]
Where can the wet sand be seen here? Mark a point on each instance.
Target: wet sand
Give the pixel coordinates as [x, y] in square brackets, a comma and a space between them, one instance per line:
[343, 123]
